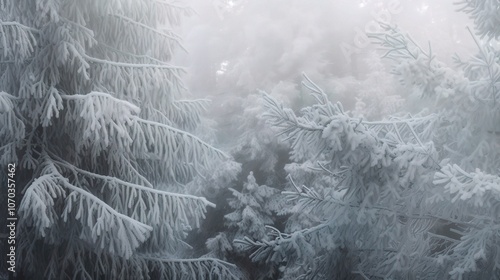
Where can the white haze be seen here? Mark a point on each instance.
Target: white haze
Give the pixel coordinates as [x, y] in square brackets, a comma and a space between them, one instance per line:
[239, 46]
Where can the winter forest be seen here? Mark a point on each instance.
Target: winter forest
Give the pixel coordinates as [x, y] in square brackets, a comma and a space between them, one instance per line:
[250, 139]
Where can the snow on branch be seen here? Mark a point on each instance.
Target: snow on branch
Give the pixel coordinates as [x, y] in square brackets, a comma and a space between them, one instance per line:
[285, 118]
[52, 104]
[186, 114]
[156, 42]
[10, 124]
[173, 144]
[484, 71]
[285, 247]
[318, 93]
[485, 16]
[293, 128]
[363, 167]
[145, 83]
[135, 65]
[310, 201]
[405, 128]
[475, 247]
[98, 119]
[476, 189]
[171, 213]
[174, 11]
[17, 41]
[200, 268]
[100, 223]
[12, 128]
[158, 12]
[417, 69]
[130, 57]
[325, 128]
[170, 35]
[397, 44]
[37, 206]
[479, 193]
[465, 100]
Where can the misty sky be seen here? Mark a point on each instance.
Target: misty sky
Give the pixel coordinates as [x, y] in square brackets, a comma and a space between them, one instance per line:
[245, 45]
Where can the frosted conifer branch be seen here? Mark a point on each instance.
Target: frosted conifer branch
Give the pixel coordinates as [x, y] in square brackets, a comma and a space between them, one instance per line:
[148, 205]
[133, 65]
[485, 16]
[199, 146]
[180, 152]
[113, 180]
[131, 81]
[201, 268]
[101, 224]
[328, 127]
[488, 59]
[317, 91]
[12, 32]
[12, 128]
[122, 236]
[144, 28]
[37, 206]
[186, 114]
[140, 59]
[284, 246]
[171, 36]
[477, 189]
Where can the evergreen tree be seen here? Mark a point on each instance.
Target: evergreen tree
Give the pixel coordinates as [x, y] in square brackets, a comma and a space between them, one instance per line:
[253, 207]
[463, 97]
[94, 117]
[412, 197]
[366, 180]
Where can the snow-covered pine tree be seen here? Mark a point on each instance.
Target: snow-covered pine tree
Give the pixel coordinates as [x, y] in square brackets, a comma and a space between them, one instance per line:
[94, 117]
[380, 195]
[365, 181]
[463, 97]
[466, 187]
[253, 211]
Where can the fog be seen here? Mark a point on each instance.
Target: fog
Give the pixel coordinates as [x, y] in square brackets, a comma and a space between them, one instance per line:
[306, 139]
[241, 46]
[298, 139]
[237, 48]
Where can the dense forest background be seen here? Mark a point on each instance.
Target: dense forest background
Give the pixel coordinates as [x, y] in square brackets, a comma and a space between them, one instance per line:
[251, 139]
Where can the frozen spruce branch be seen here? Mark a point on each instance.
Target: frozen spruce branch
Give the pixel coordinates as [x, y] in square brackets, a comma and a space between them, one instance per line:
[483, 70]
[326, 126]
[465, 99]
[186, 114]
[478, 192]
[23, 35]
[485, 16]
[201, 268]
[12, 128]
[146, 204]
[415, 67]
[101, 224]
